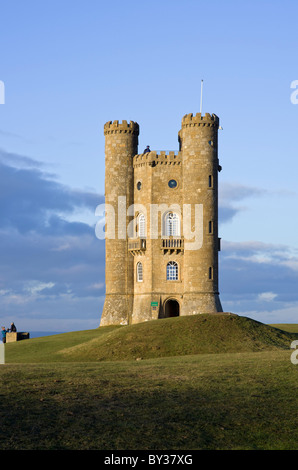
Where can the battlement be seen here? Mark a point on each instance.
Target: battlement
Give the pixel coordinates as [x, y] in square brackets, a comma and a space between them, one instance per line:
[114, 127]
[153, 158]
[189, 120]
[164, 263]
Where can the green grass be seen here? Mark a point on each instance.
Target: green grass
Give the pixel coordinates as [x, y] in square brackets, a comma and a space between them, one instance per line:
[196, 334]
[47, 349]
[243, 399]
[290, 327]
[218, 401]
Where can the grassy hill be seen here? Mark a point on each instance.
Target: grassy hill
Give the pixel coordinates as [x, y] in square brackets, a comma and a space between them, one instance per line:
[80, 391]
[196, 334]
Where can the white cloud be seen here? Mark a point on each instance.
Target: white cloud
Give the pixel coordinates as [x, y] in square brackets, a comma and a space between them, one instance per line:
[261, 253]
[267, 296]
[97, 285]
[35, 287]
[286, 314]
[4, 292]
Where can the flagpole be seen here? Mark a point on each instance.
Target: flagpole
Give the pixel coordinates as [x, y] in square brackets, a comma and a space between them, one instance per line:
[201, 96]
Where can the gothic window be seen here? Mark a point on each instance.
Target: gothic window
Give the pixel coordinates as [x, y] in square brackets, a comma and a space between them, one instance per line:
[139, 272]
[172, 271]
[141, 226]
[172, 225]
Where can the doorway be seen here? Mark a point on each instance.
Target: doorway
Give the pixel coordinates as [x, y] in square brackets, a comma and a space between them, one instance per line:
[172, 308]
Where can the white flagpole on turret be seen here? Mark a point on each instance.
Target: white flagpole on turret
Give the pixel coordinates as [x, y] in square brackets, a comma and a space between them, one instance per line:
[201, 96]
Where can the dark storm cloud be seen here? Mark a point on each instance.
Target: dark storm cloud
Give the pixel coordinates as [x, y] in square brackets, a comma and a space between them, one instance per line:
[256, 275]
[30, 200]
[52, 263]
[71, 263]
[45, 258]
[230, 195]
[18, 161]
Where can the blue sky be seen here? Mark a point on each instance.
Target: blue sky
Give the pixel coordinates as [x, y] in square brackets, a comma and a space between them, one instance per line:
[70, 66]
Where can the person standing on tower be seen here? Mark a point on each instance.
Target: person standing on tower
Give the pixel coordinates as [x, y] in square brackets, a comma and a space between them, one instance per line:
[13, 328]
[147, 149]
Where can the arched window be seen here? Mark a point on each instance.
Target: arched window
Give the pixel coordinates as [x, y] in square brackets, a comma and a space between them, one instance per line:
[172, 225]
[139, 272]
[172, 271]
[141, 226]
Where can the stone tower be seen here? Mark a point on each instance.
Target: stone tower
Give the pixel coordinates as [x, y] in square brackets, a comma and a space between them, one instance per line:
[199, 144]
[163, 260]
[121, 144]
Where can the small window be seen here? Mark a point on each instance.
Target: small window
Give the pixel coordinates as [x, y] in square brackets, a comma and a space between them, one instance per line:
[172, 184]
[172, 271]
[210, 226]
[139, 272]
[139, 185]
[210, 181]
[210, 273]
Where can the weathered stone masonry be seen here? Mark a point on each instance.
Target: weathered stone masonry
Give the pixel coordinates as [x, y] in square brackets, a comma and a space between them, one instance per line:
[157, 273]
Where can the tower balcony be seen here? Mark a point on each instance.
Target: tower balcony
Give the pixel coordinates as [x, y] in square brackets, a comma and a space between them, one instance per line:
[172, 245]
[137, 246]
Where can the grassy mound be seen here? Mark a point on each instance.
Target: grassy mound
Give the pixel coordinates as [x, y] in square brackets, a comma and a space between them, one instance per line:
[195, 334]
[47, 349]
[199, 334]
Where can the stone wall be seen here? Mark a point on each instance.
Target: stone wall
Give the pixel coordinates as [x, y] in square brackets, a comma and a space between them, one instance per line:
[16, 336]
[158, 183]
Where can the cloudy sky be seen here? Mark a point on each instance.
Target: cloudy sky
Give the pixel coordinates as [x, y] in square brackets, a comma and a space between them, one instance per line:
[70, 66]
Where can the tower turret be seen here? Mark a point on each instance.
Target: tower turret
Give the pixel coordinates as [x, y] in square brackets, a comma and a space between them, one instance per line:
[121, 144]
[168, 265]
[199, 146]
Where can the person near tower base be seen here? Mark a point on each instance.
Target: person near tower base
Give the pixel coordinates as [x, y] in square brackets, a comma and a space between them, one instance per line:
[4, 331]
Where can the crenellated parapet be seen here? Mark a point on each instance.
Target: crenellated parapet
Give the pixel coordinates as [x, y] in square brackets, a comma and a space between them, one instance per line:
[161, 258]
[116, 127]
[190, 120]
[153, 158]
